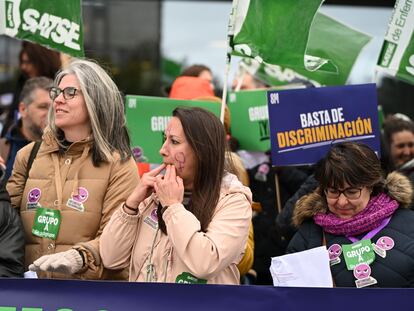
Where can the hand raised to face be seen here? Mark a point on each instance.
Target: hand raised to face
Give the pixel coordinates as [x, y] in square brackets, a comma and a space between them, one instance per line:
[145, 187]
[170, 188]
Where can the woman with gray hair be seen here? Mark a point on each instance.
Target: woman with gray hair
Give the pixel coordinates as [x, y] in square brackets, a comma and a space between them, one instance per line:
[82, 172]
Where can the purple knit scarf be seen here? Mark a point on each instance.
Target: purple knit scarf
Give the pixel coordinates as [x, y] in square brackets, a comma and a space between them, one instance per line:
[377, 209]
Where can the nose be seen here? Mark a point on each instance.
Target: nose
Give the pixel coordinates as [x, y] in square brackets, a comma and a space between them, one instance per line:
[342, 200]
[406, 151]
[59, 98]
[163, 150]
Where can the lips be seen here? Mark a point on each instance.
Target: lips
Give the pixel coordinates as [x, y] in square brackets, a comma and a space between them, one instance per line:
[59, 110]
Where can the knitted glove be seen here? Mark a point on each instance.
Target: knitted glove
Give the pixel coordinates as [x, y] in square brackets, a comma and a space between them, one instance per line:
[68, 262]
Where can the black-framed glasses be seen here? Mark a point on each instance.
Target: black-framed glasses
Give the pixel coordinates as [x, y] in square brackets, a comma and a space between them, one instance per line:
[68, 92]
[351, 193]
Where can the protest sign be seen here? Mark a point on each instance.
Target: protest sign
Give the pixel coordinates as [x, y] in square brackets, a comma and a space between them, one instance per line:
[304, 123]
[147, 118]
[397, 54]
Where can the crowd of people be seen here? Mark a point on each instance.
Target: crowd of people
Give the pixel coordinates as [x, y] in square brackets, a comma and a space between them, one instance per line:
[73, 205]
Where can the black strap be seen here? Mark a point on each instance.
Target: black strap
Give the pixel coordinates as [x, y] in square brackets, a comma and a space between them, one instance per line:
[32, 156]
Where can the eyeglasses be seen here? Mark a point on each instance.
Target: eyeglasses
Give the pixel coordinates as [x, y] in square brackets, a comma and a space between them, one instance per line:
[68, 92]
[350, 193]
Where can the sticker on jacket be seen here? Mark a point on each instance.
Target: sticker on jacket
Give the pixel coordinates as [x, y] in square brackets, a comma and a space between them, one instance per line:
[152, 219]
[357, 253]
[362, 273]
[33, 198]
[188, 278]
[46, 223]
[76, 202]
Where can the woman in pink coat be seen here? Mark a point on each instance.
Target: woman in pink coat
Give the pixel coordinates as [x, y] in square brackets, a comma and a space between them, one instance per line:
[190, 225]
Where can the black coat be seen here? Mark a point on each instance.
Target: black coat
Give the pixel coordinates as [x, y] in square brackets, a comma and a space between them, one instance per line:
[11, 239]
[284, 219]
[395, 270]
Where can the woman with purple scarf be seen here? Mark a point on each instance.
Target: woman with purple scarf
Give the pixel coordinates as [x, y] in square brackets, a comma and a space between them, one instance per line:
[361, 218]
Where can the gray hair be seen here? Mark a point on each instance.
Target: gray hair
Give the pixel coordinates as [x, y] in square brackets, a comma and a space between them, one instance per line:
[27, 95]
[105, 107]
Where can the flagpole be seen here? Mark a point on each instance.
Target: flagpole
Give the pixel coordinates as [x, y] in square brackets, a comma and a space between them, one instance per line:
[230, 34]
[224, 96]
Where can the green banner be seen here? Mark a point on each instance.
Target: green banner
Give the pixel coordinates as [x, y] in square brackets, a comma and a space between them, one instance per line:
[324, 36]
[54, 24]
[397, 54]
[250, 119]
[147, 118]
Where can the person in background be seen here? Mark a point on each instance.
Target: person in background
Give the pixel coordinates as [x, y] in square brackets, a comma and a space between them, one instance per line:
[246, 81]
[34, 61]
[11, 233]
[195, 81]
[399, 139]
[33, 107]
[355, 208]
[82, 172]
[190, 225]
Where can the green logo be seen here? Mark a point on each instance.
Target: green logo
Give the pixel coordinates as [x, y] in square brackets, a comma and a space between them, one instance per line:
[357, 253]
[188, 278]
[387, 53]
[46, 223]
[9, 14]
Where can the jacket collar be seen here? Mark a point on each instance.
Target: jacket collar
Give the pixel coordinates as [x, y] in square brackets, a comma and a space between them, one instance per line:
[51, 144]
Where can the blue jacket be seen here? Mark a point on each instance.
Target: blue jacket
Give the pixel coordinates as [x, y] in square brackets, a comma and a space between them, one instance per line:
[11, 144]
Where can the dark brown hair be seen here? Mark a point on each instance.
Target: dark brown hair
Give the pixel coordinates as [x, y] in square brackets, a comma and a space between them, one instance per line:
[46, 62]
[394, 125]
[206, 136]
[353, 163]
[194, 70]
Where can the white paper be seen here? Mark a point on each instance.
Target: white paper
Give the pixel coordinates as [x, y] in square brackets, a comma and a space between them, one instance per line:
[309, 268]
[30, 275]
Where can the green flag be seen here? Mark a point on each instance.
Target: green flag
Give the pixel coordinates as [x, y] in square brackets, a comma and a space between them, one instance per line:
[397, 54]
[325, 34]
[54, 24]
[276, 32]
[279, 33]
[147, 118]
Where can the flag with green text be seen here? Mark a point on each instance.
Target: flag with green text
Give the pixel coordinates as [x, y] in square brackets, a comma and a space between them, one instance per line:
[397, 53]
[54, 24]
[147, 118]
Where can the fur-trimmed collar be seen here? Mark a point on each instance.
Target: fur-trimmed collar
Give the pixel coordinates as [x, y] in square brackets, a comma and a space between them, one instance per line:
[398, 186]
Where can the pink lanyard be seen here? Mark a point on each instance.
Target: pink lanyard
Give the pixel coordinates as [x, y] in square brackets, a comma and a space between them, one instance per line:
[373, 232]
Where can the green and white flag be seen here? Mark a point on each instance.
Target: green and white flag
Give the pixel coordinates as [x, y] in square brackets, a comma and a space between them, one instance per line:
[397, 54]
[324, 36]
[54, 24]
[276, 32]
[294, 36]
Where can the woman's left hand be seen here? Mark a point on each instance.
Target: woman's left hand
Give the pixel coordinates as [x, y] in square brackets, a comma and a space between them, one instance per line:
[170, 188]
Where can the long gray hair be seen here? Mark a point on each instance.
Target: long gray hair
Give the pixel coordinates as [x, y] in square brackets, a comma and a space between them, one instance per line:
[105, 107]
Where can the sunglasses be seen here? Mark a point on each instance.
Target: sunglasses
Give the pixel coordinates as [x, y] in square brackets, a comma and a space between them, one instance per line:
[68, 92]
